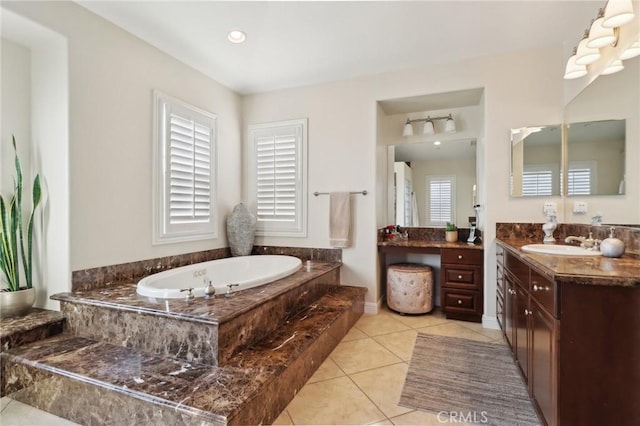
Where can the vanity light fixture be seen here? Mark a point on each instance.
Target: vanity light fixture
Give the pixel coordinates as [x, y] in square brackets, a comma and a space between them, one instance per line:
[604, 32]
[236, 36]
[429, 129]
[613, 67]
[574, 70]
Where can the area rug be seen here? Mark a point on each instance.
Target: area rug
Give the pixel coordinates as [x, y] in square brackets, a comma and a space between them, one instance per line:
[473, 382]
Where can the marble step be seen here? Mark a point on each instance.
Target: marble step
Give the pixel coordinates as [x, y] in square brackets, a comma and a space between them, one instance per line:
[38, 324]
[96, 382]
[202, 330]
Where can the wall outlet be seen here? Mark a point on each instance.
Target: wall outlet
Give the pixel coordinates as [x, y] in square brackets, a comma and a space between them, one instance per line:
[549, 207]
[580, 207]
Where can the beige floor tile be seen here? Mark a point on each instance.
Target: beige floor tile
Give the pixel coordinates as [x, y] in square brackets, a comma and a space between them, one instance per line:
[362, 354]
[328, 370]
[354, 334]
[453, 329]
[384, 386]
[418, 321]
[19, 414]
[4, 401]
[385, 422]
[331, 402]
[375, 325]
[400, 343]
[283, 419]
[478, 328]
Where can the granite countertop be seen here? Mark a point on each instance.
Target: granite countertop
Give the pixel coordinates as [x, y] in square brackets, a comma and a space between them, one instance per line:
[594, 270]
[429, 244]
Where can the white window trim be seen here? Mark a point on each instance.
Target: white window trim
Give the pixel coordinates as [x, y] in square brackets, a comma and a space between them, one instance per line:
[163, 232]
[299, 227]
[428, 180]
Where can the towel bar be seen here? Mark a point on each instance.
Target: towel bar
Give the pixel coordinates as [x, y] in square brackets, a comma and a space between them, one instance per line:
[352, 192]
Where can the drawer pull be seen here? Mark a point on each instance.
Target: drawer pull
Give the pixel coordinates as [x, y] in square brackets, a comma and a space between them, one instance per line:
[459, 256]
[459, 302]
[459, 277]
[540, 288]
[512, 291]
[527, 312]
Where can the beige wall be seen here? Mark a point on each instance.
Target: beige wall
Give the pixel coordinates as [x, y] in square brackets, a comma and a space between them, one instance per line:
[346, 153]
[111, 78]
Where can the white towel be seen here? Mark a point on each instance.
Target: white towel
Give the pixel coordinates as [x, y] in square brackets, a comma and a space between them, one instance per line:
[339, 219]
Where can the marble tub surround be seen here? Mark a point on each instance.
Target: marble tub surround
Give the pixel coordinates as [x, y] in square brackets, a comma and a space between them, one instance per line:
[38, 324]
[431, 234]
[200, 330]
[87, 279]
[532, 232]
[135, 387]
[594, 270]
[302, 253]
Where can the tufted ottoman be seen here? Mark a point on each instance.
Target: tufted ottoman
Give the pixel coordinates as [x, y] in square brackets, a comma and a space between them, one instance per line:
[410, 288]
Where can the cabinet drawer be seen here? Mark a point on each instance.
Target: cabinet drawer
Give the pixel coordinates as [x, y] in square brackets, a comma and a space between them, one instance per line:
[464, 276]
[461, 301]
[544, 291]
[463, 256]
[517, 268]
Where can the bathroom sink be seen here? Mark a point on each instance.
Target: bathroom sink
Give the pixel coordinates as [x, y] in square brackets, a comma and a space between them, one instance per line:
[559, 250]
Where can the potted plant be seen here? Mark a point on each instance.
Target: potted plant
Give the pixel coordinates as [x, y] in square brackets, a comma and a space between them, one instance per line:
[451, 232]
[16, 247]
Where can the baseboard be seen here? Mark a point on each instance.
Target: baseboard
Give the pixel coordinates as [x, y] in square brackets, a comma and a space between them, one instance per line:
[372, 307]
[490, 322]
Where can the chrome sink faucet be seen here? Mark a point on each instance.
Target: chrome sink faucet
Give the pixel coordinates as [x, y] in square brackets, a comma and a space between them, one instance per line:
[586, 242]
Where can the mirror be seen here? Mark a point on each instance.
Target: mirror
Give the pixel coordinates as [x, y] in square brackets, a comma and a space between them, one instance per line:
[536, 154]
[434, 182]
[595, 156]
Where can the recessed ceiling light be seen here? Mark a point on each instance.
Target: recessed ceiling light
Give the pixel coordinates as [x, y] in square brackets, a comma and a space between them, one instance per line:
[236, 36]
[436, 143]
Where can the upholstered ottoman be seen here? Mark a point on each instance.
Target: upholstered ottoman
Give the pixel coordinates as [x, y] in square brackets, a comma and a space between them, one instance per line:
[410, 288]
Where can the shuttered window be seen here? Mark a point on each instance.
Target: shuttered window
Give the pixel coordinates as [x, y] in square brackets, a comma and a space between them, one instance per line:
[278, 190]
[581, 178]
[537, 182]
[440, 199]
[184, 172]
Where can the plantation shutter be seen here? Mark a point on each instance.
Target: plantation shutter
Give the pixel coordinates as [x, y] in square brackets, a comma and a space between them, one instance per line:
[440, 199]
[184, 172]
[537, 182]
[278, 184]
[190, 171]
[277, 175]
[579, 181]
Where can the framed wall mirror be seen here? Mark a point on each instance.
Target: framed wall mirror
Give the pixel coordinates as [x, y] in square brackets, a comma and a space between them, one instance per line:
[434, 182]
[536, 161]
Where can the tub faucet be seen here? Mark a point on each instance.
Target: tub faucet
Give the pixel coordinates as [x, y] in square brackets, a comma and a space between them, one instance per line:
[230, 289]
[189, 292]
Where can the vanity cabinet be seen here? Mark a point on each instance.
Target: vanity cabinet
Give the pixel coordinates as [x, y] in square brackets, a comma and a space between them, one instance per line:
[500, 287]
[532, 332]
[461, 284]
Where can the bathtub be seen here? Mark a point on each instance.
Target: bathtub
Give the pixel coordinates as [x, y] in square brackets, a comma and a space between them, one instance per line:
[246, 271]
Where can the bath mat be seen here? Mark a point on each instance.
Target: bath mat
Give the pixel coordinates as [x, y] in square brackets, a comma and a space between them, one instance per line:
[476, 382]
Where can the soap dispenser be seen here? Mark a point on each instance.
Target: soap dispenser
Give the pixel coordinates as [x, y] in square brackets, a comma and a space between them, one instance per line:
[612, 246]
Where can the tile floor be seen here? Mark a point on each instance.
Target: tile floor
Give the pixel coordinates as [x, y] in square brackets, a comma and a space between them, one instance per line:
[360, 383]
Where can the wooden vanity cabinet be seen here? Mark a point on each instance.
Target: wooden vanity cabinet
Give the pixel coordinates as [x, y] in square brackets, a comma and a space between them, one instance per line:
[500, 287]
[461, 284]
[531, 329]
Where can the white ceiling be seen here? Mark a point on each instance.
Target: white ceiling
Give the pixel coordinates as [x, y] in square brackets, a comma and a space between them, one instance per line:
[293, 44]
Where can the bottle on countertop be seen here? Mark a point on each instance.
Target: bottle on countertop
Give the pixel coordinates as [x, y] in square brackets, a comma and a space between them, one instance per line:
[612, 246]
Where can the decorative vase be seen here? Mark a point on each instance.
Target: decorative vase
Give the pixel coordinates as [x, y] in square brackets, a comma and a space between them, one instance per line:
[16, 303]
[451, 236]
[241, 230]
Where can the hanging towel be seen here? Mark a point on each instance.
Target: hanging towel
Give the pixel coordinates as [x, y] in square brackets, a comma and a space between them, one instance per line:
[339, 219]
